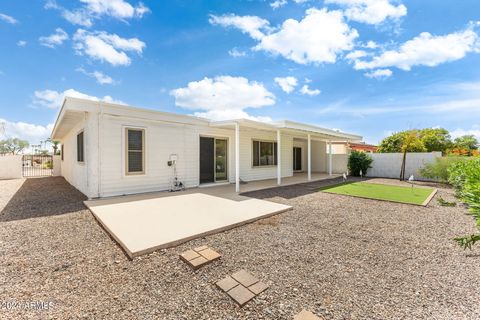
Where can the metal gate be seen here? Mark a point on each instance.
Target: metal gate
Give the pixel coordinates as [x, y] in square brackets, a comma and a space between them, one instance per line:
[37, 165]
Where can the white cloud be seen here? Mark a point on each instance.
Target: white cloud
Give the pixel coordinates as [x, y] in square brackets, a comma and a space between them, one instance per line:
[102, 46]
[237, 53]
[99, 76]
[8, 19]
[78, 17]
[96, 9]
[425, 50]
[33, 133]
[370, 11]
[223, 97]
[355, 55]
[252, 25]
[475, 131]
[53, 99]
[318, 38]
[306, 90]
[379, 74]
[278, 3]
[287, 84]
[119, 9]
[21, 43]
[54, 39]
[371, 45]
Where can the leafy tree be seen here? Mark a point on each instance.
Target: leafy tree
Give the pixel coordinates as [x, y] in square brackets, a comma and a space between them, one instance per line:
[13, 145]
[392, 143]
[467, 142]
[357, 161]
[437, 139]
[431, 139]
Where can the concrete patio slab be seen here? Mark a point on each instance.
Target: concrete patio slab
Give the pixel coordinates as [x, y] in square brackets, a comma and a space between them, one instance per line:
[145, 223]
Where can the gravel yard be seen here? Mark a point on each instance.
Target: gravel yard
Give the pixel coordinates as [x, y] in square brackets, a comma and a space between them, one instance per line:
[340, 257]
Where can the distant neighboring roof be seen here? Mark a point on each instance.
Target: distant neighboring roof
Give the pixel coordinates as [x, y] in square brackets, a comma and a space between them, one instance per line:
[362, 147]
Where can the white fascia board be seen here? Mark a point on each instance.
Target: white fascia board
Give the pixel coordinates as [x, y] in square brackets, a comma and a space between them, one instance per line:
[287, 124]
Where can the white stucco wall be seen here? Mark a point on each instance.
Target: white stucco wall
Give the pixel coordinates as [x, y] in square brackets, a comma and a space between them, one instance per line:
[319, 156]
[163, 139]
[57, 166]
[387, 165]
[82, 175]
[339, 163]
[11, 167]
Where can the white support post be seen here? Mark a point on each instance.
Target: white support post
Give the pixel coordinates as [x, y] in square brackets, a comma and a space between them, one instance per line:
[329, 157]
[279, 158]
[309, 157]
[237, 157]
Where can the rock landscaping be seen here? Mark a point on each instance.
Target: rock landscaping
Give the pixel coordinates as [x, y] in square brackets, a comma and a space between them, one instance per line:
[337, 256]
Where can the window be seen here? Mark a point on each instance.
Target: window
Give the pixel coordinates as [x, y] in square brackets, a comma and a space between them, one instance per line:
[80, 147]
[61, 151]
[135, 149]
[264, 153]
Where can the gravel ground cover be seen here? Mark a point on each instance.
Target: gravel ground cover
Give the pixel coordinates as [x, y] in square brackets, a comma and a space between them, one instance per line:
[338, 256]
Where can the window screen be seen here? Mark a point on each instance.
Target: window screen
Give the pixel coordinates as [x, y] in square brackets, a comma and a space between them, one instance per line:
[135, 151]
[80, 147]
[264, 153]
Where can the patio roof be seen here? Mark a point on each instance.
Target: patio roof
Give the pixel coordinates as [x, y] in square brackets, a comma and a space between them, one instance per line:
[291, 127]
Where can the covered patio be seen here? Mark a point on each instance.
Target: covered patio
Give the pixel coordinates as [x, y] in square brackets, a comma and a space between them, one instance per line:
[317, 141]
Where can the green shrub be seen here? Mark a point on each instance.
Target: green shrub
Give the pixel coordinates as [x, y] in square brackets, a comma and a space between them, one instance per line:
[357, 161]
[464, 176]
[438, 170]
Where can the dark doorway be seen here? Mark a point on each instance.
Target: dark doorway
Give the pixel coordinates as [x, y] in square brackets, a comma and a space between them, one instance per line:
[207, 160]
[297, 159]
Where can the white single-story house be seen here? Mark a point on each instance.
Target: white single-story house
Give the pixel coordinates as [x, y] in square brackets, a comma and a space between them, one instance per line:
[109, 149]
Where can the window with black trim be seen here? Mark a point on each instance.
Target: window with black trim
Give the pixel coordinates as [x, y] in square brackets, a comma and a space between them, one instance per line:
[61, 151]
[135, 151]
[264, 153]
[80, 147]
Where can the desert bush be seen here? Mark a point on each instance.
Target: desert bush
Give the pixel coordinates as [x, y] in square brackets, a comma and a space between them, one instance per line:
[357, 161]
[438, 170]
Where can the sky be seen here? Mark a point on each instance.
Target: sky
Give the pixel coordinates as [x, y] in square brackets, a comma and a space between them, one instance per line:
[369, 67]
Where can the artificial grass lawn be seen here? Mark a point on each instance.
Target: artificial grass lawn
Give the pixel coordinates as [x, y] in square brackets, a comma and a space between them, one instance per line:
[381, 192]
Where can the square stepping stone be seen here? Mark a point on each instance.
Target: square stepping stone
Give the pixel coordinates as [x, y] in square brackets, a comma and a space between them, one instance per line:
[227, 283]
[241, 286]
[258, 287]
[307, 315]
[245, 278]
[241, 295]
[199, 256]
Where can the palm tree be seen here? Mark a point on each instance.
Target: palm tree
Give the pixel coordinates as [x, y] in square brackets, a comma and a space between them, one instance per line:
[411, 143]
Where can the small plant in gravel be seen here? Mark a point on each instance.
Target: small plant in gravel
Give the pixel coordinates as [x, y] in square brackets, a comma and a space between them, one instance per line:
[445, 203]
[357, 161]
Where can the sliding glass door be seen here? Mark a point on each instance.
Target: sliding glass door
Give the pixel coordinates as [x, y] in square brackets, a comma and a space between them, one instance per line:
[220, 160]
[213, 160]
